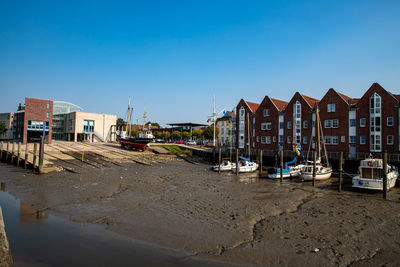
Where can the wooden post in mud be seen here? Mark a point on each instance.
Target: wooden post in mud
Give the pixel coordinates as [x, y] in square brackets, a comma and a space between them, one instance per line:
[385, 175]
[340, 171]
[260, 161]
[281, 154]
[314, 171]
[237, 161]
[1, 151]
[18, 153]
[26, 156]
[12, 153]
[219, 160]
[8, 151]
[35, 155]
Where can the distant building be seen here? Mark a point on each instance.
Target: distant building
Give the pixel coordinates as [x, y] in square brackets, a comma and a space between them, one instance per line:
[226, 126]
[91, 127]
[61, 110]
[7, 120]
[30, 120]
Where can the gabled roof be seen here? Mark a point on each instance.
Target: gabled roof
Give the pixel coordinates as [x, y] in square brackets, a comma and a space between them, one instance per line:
[311, 101]
[253, 106]
[345, 97]
[397, 97]
[280, 104]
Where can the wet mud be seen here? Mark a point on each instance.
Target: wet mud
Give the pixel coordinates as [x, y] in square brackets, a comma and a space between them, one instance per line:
[238, 220]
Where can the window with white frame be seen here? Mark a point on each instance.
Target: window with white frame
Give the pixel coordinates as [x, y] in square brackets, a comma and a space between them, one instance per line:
[289, 139]
[263, 139]
[258, 139]
[268, 139]
[343, 139]
[389, 121]
[335, 140]
[335, 123]
[266, 112]
[352, 139]
[352, 123]
[297, 110]
[263, 126]
[281, 139]
[289, 125]
[305, 140]
[362, 140]
[328, 123]
[363, 122]
[328, 140]
[390, 139]
[268, 126]
[274, 139]
[305, 124]
[331, 107]
[281, 125]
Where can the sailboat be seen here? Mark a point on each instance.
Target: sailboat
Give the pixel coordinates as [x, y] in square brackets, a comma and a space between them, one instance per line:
[226, 165]
[291, 168]
[142, 141]
[245, 164]
[323, 171]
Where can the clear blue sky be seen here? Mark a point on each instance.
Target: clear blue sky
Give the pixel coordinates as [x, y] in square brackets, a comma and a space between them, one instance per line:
[173, 56]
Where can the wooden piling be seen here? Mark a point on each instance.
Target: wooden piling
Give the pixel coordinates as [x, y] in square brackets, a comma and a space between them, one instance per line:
[385, 175]
[237, 161]
[26, 156]
[12, 153]
[281, 154]
[35, 156]
[340, 171]
[219, 160]
[314, 171]
[1, 151]
[8, 151]
[260, 161]
[18, 153]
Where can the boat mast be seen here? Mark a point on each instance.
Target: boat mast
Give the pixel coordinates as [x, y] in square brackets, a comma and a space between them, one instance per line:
[248, 132]
[318, 134]
[130, 121]
[214, 119]
[230, 139]
[144, 117]
[127, 116]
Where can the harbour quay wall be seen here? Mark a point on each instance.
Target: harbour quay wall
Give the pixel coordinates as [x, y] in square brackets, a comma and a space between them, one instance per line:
[5, 252]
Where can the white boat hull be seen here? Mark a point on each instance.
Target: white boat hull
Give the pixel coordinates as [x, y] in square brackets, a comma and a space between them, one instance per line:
[252, 167]
[224, 167]
[284, 175]
[324, 174]
[374, 184]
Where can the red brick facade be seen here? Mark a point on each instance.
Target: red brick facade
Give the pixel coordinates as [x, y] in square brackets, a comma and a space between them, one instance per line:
[307, 108]
[38, 110]
[389, 108]
[267, 123]
[247, 128]
[334, 107]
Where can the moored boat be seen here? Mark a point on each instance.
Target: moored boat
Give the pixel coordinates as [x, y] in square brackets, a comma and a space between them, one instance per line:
[245, 165]
[371, 175]
[139, 143]
[226, 165]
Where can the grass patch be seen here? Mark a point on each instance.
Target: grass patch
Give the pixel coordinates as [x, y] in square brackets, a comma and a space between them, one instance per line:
[174, 149]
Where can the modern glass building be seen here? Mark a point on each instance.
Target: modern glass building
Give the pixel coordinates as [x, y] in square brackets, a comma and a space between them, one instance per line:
[60, 111]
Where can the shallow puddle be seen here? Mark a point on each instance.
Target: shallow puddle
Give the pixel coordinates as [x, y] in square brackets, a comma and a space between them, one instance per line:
[40, 239]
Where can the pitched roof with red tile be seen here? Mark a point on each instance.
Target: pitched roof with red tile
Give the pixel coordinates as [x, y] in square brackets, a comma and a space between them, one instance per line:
[280, 104]
[311, 101]
[252, 106]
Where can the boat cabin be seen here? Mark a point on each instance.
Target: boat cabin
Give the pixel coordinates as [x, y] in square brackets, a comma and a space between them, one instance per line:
[372, 169]
[146, 134]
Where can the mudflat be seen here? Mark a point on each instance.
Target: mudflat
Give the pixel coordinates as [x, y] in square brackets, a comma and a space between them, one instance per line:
[238, 220]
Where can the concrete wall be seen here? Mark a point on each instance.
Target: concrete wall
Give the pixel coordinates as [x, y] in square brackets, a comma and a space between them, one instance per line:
[102, 124]
[7, 119]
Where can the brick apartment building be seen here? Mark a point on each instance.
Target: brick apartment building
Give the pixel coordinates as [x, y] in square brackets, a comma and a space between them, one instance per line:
[367, 124]
[298, 121]
[245, 124]
[267, 117]
[338, 120]
[30, 118]
[378, 117]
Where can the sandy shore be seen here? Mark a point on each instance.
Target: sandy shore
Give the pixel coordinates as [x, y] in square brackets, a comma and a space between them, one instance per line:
[241, 220]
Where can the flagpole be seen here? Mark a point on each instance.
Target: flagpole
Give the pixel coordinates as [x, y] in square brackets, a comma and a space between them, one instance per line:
[214, 118]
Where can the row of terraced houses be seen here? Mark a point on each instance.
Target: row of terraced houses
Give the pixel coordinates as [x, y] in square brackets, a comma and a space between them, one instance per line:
[353, 125]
